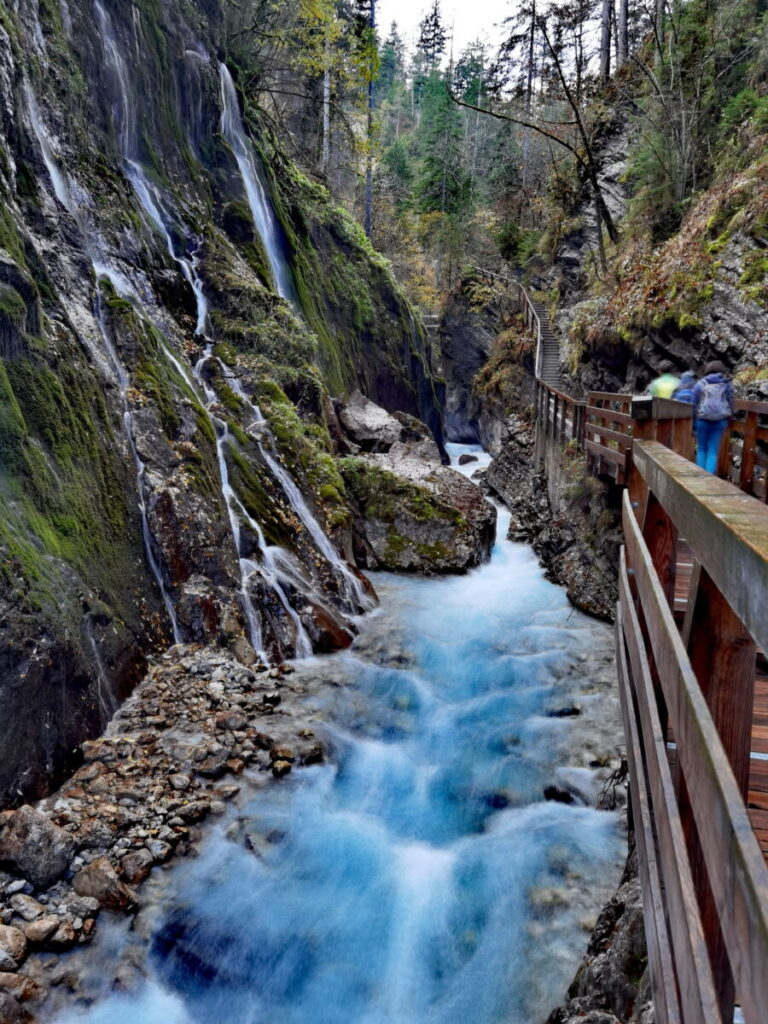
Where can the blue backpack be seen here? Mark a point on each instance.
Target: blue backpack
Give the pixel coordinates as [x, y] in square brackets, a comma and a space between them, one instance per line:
[713, 400]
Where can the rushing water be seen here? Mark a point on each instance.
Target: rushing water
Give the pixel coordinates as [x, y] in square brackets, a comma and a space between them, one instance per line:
[417, 877]
[261, 209]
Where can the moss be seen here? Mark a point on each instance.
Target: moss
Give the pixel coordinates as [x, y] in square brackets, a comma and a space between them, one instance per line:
[385, 496]
[307, 450]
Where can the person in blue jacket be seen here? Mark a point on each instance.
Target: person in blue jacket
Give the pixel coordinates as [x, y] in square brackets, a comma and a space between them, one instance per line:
[713, 407]
[684, 390]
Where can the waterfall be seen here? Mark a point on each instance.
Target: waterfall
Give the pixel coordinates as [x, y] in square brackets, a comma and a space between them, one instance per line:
[261, 209]
[74, 202]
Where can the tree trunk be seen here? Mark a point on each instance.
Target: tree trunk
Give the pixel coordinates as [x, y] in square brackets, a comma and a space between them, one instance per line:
[369, 160]
[622, 52]
[605, 40]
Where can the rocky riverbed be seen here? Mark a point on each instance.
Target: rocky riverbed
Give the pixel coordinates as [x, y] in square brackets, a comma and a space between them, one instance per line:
[173, 755]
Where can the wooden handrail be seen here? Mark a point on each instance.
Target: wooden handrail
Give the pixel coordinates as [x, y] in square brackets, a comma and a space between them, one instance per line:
[727, 530]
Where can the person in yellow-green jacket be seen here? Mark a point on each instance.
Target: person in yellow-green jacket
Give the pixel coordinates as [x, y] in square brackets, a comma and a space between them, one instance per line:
[665, 384]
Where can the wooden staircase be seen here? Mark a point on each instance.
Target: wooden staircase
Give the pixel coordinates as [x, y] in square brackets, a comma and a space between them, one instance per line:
[548, 361]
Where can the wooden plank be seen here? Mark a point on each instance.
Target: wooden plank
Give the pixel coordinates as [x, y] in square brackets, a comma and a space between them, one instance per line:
[609, 454]
[609, 416]
[660, 959]
[609, 396]
[736, 870]
[660, 535]
[698, 997]
[609, 435]
[728, 532]
[651, 408]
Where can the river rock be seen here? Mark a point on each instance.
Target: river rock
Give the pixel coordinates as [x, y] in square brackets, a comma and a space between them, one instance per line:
[13, 943]
[65, 937]
[32, 846]
[99, 880]
[136, 866]
[41, 929]
[26, 906]
[20, 986]
[11, 1012]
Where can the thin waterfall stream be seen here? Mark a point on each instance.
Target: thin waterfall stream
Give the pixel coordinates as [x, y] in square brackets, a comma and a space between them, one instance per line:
[417, 876]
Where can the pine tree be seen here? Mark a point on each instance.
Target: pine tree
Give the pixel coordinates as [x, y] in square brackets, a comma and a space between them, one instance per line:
[444, 184]
[432, 36]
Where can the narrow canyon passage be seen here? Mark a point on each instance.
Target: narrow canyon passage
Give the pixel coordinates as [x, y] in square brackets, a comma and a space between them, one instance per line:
[419, 875]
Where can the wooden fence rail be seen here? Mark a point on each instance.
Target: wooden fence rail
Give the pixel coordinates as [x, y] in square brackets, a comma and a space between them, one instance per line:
[698, 546]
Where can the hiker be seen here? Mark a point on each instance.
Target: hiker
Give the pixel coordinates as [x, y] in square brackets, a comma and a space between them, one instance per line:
[684, 390]
[713, 403]
[665, 384]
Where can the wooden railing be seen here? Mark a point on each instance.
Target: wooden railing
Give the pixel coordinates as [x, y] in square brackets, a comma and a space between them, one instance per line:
[744, 454]
[696, 545]
[687, 700]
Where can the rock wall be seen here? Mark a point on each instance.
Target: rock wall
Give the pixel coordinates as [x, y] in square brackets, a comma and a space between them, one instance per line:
[159, 401]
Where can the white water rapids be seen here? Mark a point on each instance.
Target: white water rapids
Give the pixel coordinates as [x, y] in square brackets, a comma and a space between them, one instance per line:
[418, 877]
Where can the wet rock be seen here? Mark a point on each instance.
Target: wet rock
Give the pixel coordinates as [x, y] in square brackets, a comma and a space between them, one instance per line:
[27, 907]
[32, 846]
[232, 720]
[20, 986]
[559, 795]
[136, 866]
[281, 768]
[160, 850]
[99, 880]
[38, 931]
[195, 811]
[180, 782]
[328, 632]
[13, 943]
[466, 458]
[312, 755]
[65, 937]
[227, 792]
[11, 1012]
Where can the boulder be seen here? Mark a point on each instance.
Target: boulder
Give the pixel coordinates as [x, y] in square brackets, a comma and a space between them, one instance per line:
[369, 426]
[32, 846]
[99, 880]
[416, 515]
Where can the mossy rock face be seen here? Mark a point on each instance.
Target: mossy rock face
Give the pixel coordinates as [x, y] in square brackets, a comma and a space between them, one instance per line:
[96, 461]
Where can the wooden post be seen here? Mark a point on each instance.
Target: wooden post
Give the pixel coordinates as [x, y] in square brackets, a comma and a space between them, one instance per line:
[660, 536]
[748, 453]
[722, 656]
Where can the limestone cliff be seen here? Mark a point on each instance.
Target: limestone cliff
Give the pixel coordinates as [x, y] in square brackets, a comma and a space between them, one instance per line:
[177, 302]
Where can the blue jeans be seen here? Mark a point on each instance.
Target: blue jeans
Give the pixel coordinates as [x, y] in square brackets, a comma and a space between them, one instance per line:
[709, 434]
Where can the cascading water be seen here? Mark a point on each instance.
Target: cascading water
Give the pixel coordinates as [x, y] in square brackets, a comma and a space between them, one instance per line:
[74, 201]
[419, 877]
[153, 203]
[261, 209]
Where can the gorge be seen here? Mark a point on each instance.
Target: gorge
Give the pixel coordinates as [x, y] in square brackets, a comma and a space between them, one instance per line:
[308, 705]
